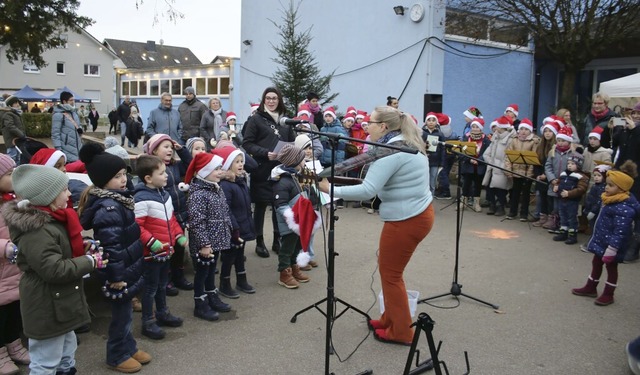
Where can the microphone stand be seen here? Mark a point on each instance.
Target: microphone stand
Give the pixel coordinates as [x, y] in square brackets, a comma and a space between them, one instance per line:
[456, 288]
[331, 299]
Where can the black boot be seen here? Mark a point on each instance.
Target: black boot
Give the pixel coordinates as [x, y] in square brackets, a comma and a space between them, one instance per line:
[151, 329]
[171, 290]
[572, 237]
[203, 310]
[165, 318]
[499, 210]
[216, 303]
[179, 280]
[226, 289]
[275, 247]
[261, 248]
[561, 236]
[242, 284]
[492, 209]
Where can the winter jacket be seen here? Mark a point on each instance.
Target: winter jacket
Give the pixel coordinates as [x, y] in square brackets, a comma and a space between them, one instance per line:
[64, 132]
[575, 183]
[261, 135]
[286, 191]
[191, 113]
[134, 130]
[627, 144]
[94, 116]
[495, 155]
[556, 163]
[176, 170]
[154, 215]
[9, 273]
[480, 168]
[590, 157]
[208, 129]
[113, 221]
[436, 158]
[590, 123]
[593, 200]
[124, 111]
[11, 125]
[164, 120]
[356, 131]
[529, 144]
[336, 128]
[209, 219]
[52, 300]
[613, 227]
[239, 202]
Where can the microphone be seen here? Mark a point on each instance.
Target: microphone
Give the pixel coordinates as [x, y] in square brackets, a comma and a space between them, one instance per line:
[287, 121]
[447, 145]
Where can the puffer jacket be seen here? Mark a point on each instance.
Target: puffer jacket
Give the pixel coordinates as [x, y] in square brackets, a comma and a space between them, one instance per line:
[601, 154]
[9, 273]
[110, 213]
[52, 299]
[529, 144]
[209, 219]
[613, 227]
[64, 133]
[593, 200]
[286, 191]
[154, 215]
[191, 113]
[239, 202]
[176, 170]
[495, 154]
[11, 126]
[336, 128]
[556, 163]
[575, 183]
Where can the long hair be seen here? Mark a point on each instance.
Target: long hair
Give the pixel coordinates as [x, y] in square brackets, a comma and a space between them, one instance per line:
[398, 120]
[281, 109]
[544, 147]
[84, 197]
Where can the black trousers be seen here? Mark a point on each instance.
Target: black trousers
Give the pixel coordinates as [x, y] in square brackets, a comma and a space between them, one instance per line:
[10, 322]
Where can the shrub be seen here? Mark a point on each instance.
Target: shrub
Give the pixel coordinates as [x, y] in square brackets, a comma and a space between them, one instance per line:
[37, 125]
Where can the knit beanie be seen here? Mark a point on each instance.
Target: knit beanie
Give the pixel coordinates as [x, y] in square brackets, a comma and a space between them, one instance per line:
[101, 166]
[47, 157]
[290, 155]
[189, 90]
[11, 101]
[118, 151]
[38, 185]
[110, 142]
[576, 158]
[302, 141]
[191, 141]
[6, 164]
[620, 179]
[154, 142]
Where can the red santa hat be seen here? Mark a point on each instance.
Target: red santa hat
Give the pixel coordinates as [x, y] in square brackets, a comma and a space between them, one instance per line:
[254, 106]
[231, 116]
[551, 125]
[330, 111]
[596, 132]
[479, 122]
[493, 123]
[202, 165]
[366, 119]
[228, 155]
[352, 110]
[304, 109]
[360, 114]
[303, 220]
[443, 119]
[513, 108]
[348, 116]
[565, 134]
[526, 124]
[47, 157]
[504, 122]
[432, 115]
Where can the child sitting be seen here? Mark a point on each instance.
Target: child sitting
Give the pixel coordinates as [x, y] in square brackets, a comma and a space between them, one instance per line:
[572, 185]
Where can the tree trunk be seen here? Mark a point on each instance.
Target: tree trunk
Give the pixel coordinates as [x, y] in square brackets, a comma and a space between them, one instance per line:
[568, 89]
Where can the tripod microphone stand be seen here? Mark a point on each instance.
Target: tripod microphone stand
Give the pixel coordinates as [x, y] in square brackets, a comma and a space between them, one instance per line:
[331, 299]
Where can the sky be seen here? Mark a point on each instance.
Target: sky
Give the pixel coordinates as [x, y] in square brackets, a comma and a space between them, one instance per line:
[209, 28]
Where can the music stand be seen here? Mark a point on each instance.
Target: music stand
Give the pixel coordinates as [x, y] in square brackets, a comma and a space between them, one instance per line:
[466, 148]
[527, 158]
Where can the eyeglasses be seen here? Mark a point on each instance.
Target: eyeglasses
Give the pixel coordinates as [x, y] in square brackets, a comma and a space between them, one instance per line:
[597, 103]
[376, 122]
[271, 98]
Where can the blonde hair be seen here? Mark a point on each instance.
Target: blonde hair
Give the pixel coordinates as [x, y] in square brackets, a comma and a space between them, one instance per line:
[84, 197]
[398, 120]
[605, 98]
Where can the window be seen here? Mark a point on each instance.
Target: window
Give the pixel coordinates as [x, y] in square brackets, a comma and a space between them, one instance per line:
[478, 27]
[125, 88]
[175, 87]
[92, 95]
[60, 68]
[154, 87]
[224, 85]
[164, 85]
[212, 86]
[29, 67]
[142, 88]
[201, 88]
[134, 88]
[186, 82]
[92, 70]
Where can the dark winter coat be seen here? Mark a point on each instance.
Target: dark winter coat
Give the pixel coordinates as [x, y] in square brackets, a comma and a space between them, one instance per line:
[207, 126]
[627, 144]
[613, 227]
[480, 168]
[285, 189]
[555, 164]
[593, 200]
[134, 130]
[175, 174]
[124, 111]
[191, 113]
[436, 158]
[239, 202]
[114, 225]
[11, 125]
[113, 117]
[261, 135]
[52, 299]
[575, 183]
[209, 219]
[94, 116]
[590, 123]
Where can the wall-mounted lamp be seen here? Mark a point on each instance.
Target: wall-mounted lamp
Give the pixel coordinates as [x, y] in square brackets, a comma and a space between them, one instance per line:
[247, 42]
[399, 10]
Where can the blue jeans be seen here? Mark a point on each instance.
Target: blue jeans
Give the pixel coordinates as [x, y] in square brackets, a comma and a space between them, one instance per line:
[205, 277]
[120, 345]
[443, 176]
[433, 176]
[14, 154]
[156, 277]
[52, 355]
[568, 211]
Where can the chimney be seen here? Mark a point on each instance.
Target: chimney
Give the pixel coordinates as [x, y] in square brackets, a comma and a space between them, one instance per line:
[151, 46]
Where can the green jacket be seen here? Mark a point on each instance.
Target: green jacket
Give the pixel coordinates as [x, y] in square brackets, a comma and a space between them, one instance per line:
[52, 299]
[11, 126]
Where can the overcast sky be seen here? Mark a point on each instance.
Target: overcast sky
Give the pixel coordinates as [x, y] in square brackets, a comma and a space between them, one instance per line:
[209, 27]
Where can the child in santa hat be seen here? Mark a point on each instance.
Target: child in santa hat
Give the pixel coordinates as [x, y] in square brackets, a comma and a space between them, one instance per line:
[443, 190]
[210, 230]
[469, 115]
[512, 111]
[556, 163]
[544, 204]
[526, 140]
[332, 125]
[473, 171]
[595, 154]
[496, 180]
[431, 130]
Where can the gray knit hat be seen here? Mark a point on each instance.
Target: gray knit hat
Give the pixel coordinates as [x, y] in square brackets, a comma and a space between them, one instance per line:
[291, 155]
[193, 140]
[38, 184]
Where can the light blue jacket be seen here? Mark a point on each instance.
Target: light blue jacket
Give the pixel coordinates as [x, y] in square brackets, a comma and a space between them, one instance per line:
[165, 121]
[64, 133]
[401, 181]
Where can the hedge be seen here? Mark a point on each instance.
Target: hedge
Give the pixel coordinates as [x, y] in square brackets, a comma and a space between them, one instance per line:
[37, 125]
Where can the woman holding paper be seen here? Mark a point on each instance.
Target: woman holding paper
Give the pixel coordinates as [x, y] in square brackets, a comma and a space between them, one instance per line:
[262, 134]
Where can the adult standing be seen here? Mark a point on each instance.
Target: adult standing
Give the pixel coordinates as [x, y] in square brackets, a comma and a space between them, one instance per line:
[213, 121]
[12, 127]
[94, 116]
[191, 112]
[564, 115]
[113, 120]
[83, 114]
[262, 132]
[124, 111]
[65, 127]
[164, 120]
[401, 180]
[393, 102]
[599, 116]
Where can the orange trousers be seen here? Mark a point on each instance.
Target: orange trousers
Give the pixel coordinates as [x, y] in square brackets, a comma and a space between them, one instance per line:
[398, 241]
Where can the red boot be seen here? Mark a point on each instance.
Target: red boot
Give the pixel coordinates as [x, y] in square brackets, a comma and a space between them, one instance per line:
[589, 290]
[607, 295]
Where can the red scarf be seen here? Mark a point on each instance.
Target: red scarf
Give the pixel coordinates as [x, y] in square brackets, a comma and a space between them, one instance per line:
[69, 218]
[598, 115]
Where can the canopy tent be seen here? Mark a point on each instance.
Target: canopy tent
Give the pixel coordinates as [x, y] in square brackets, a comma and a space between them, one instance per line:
[56, 95]
[624, 92]
[28, 94]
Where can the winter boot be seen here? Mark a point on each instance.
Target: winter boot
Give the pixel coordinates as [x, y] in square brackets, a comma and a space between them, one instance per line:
[216, 303]
[476, 204]
[499, 210]
[242, 284]
[287, 280]
[151, 329]
[275, 246]
[588, 290]
[203, 310]
[6, 364]
[226, 289]
[561, 236]
[166, 319]
[179, 280]
[129, 366]
[298, 275]
[606, 298]
[171, 290]
[540, 222]
[552, 222]
[492, 209]
[142, 357]
[261, 248]
[572, 237]
[18, 353]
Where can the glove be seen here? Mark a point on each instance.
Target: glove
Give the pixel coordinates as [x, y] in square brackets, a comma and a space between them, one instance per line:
[182, 241]
[156, 246]
[609, 255]
[11, 252]
[591, 216]
[98, 261]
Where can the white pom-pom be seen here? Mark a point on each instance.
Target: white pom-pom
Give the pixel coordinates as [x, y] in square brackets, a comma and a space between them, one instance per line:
[183, 187]
[23, 204]
[213, 142]
[303, 258]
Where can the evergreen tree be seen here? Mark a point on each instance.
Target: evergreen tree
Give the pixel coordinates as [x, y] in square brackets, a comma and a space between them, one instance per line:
[298, 72]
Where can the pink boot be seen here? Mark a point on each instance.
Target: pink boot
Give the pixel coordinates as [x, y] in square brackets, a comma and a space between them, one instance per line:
[7, 367]
[607, 295]
[589, 290]
[18, 353]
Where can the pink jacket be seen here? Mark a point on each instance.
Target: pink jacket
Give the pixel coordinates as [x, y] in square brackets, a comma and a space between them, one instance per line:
[9, 273]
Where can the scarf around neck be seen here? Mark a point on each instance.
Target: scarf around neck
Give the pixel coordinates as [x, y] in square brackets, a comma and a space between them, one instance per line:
[69, 218]
[274, 115]
[115, 195]
[611, 199]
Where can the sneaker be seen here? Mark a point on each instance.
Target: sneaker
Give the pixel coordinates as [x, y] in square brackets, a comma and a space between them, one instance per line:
[443, 195]
[584, 248]
[524, 219]
[510, 217]
[371, 211]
